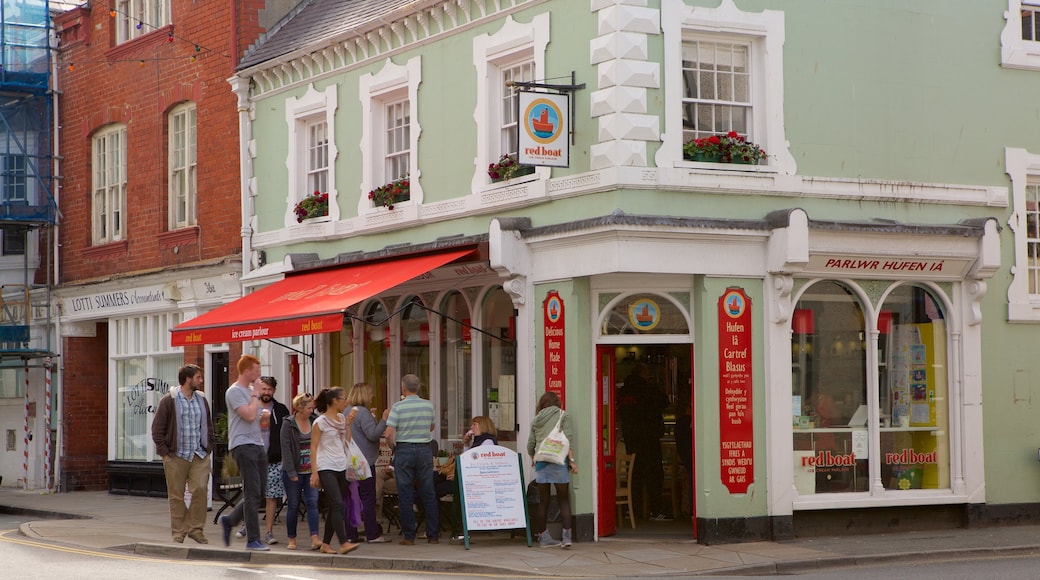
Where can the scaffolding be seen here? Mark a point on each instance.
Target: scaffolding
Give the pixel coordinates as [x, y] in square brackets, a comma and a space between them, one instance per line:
[28, 210]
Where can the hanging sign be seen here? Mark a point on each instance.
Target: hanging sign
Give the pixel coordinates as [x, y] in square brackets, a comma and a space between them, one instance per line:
[544, 130]
[555, 335]
[736, 432]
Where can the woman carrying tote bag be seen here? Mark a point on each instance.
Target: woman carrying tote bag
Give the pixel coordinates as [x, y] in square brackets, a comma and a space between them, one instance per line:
[547, 415]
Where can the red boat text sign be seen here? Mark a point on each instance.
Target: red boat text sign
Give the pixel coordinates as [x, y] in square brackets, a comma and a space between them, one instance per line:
[555, 335]
[736, 432]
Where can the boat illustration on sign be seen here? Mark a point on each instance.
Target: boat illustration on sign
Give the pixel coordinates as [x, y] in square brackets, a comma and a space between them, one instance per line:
[542, 126]
[643, 315]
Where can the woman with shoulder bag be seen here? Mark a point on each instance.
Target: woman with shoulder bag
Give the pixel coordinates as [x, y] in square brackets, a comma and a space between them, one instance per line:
[329, 436]
[549, 417]
[366, 432]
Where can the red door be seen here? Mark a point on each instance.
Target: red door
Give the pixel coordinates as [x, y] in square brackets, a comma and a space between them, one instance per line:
[607, 456]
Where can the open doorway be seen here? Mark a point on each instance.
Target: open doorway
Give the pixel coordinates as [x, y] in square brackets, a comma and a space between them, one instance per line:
[645, 399]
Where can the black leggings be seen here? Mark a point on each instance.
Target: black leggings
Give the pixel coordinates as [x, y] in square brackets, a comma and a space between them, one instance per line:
[563, 499]
[335, 485]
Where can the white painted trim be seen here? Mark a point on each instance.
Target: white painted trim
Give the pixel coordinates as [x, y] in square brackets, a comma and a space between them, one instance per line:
[513, 42]
[765, 32]
[1020, 165]
[1014, 51]
[392, 83]
[313, 105]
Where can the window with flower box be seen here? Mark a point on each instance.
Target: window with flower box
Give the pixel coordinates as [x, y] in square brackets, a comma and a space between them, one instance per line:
[721, 82]
[516, 52]
[183, 161]
[109, 185]
[390, 132]
[312, 150]
[136, 18]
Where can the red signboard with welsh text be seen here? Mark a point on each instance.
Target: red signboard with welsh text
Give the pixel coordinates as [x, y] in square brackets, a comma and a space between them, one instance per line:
[736, 426]
[555, 339]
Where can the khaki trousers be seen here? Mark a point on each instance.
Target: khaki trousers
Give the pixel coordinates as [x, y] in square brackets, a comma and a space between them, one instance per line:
[186, 519]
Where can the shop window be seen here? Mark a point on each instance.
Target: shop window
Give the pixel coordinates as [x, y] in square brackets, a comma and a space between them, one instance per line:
[515, 53]
[312, 149]
[109, 185]
[913, 394]
[1020, 39]
[720, 82]
[456, 381]
[829, 391]
[498, 348]
[645, 314]
[345, 346]
[12, 382]
[376, 341]
[145, 369]
[415, 343]
[1024, 291]
[390, 130]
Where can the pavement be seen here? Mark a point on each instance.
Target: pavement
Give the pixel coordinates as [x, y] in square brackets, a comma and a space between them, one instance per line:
[140, 525]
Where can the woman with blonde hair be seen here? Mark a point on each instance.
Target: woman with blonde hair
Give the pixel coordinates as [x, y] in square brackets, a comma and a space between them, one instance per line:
[297, 467]
[366, 432]
[329, 439]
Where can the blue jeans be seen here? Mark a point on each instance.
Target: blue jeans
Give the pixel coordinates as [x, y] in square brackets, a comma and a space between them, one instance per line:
[294, 492]
[252, 465]
[413, 465]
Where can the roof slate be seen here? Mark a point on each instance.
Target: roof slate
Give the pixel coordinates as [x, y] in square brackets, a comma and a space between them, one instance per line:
[313, 22]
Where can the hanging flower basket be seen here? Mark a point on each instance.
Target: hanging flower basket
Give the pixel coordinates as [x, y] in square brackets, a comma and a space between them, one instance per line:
[723, 148]
[507, 168]
[392, 193]
[312, 206]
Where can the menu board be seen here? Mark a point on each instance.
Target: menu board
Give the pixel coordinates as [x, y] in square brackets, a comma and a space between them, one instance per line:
[492, 489]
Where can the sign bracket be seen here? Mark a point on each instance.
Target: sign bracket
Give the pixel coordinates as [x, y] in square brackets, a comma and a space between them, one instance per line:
[558, 88]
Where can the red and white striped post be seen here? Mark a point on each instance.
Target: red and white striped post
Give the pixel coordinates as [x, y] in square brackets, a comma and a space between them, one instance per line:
[48, 468]
[25, 435]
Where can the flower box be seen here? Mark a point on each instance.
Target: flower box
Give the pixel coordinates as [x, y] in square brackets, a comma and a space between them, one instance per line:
[391, 194]
[507, 168]
[723, 148]
[313, 206]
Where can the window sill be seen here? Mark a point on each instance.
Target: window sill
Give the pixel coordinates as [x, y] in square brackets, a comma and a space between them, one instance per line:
[514, 181]
[732, 167]
[109, 251]
[129, 47]
[180, 237]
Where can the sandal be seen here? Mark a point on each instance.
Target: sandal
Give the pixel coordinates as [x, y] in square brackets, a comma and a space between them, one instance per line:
[347, 547]
[291, 545]
[325, 549]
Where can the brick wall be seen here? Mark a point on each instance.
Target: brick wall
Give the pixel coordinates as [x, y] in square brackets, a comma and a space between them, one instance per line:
[84, 411]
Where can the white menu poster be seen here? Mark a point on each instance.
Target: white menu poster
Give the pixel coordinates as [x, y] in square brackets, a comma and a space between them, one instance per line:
[492, 489]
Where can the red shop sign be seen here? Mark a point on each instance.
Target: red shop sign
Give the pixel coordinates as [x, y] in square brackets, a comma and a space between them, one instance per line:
[555, 337]
[736, 432]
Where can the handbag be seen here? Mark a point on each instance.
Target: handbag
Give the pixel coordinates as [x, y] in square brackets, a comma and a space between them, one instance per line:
[358, 468]
[554, 448]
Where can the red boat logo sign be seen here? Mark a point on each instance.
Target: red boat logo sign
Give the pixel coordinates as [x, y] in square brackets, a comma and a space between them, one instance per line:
[542, 121]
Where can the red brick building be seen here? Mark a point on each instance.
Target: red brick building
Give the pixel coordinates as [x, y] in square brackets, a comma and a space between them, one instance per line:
[151, 221]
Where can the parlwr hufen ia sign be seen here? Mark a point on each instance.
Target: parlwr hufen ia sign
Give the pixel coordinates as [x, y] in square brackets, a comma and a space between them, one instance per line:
[736, 424]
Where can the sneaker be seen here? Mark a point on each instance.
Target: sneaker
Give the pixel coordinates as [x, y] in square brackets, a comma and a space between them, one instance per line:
[270, 539]
[199, 537]
[258, 546]
[379, 540]
[178, 539]
[545, 540]
[241, 533]
[225, 527]
[566, 542]
[406, 542]
[662, 517]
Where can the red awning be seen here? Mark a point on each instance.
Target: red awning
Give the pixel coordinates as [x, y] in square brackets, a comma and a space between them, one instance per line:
[312, 303]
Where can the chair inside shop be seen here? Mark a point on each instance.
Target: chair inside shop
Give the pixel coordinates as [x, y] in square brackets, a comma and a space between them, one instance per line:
[623, 493]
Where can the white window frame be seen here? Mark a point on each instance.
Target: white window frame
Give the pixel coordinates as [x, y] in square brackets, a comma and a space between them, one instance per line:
[393, 83]
[108, 220]
[136, 18]
[764, 32]
[15, 179]
[514, 43]
[1016, 52]
[183, 163]
[397, 120]
[317, 162]
[300, 114]
[1023, 168]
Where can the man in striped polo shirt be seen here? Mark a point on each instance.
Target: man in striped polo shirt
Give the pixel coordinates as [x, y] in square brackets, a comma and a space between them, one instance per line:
[408, 430]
